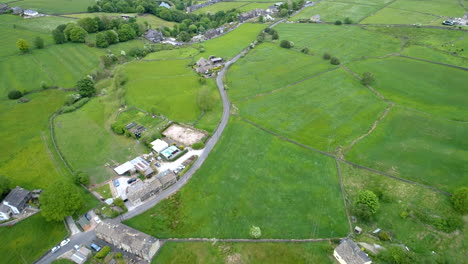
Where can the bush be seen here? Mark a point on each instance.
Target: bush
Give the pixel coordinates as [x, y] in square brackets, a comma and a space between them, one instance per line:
[118, 128]
[384, 236]
[255, 232]
[78, 104]
[305, 50]
[367, 78]
[15, 94]
[198, 145]
[103, 253]
[338, 22]
[460, 200]
[39, 43]
[326, 56]
[369, 199]
[86, 87]
[81, 177]
[286, 44]
[348, 21]
[137, 52]
[335, 61]
[274, 35]
[119, 255]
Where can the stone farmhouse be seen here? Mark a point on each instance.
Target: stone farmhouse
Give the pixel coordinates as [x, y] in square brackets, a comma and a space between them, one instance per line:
[203, 66]
[141, 191]
[14, 203]
[348, 252]
[251, 14]
[154, 35]
[196, 7]
[128, 239]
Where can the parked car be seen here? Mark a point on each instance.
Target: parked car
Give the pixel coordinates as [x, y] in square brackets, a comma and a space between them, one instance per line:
[55, 249]
[64, 242]
[76, 247]
[95, 247]
[116, 183]
[88, 216]
[97, 219]
[132, 180]
[157, 165]
[448, 23]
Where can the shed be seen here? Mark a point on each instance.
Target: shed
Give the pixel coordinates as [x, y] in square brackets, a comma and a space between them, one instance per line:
[81, 255]
[348, 252]
[159, 145]
[124, 168]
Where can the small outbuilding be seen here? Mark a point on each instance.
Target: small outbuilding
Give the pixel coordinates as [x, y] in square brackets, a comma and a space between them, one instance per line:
[124, 168]
[30, 13]
[17, 10]
[81, 255]
[154, 35]
[348, 252]
[159, 145]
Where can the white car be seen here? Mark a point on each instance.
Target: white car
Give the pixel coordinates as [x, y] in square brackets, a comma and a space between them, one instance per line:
[64, 242]
[76, 247]
[96, 218]
[55, 249]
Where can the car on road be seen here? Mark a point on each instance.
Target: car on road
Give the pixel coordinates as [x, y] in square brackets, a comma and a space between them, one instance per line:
[116, 183]
[55, 249]
[64, 242]
[448, 23]
[97, 219]
[132, 180]
[95, 247]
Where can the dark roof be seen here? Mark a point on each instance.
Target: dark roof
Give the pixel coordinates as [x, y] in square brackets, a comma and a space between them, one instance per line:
[351, 253]
[17, 196]
[83, 222]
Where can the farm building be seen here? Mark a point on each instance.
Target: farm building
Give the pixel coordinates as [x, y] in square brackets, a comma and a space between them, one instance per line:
[17, 10]
[154, 36]
[198, 38]
[30, 13]
[251, 14]
[128, 239]
[170, 152]
[3, 8]
[141, 191]
[204, 66]
[348, 252]
[137, 164]
[159, 145]
[167, 178]
[17, 200]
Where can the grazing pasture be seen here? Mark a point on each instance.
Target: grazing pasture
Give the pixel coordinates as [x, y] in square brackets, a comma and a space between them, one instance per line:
[420, 85]
[152, 20]
[286, 190]
[324, 112]
[449, 8]
[209, 253]
[426, 53]
[221, 6]
[416, 146]
[172, 54]
[333, 11]
[55, 6]
[399, 16]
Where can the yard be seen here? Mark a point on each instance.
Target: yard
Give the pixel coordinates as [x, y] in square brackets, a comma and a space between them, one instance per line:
[288, 191]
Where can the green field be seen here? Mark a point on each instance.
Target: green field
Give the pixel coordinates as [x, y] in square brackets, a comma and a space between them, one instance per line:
[269, 67]
[254, 5]
[450, 8]
[426, 53]
[221, 6]
[153, 21]
[332, 11]
[346, 43]
[26, 241]
[329, 110]
[288, 191]
[398, 16]
[55, 6]
[209, 253]
[418, 147]
[229, 45]
[172, 54]
[398, 197]
[411, 86]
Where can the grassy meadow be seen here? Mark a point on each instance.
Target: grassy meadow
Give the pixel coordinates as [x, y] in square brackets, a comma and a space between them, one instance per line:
[209, 253]
[449, 8]
[426, 53]
[172, 54]
[333, 11]
[399, 16]
[418, 147]
[252, 75]
[152, 20]
[221, 6]
[329, 110]
[344, 42]
[55, 6]
[420, 85]
[288, 191]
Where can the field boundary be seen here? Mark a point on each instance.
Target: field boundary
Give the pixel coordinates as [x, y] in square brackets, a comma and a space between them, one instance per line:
[343, 195]
[248, 240]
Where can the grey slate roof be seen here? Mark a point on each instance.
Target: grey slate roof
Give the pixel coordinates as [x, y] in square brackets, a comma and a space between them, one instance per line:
[5, 209]
[350, 252]
[18, 197]
[167, 178]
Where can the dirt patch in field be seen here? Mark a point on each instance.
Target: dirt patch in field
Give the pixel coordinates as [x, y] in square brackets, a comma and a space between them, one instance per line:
[184, 134]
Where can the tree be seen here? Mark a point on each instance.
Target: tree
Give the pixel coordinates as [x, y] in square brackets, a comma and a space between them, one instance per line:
[126, 32]
[255, 232]
[140, 9]
[5, 186]
[58, 35]
[184, 36]
[369, 199]
[112, 37]
[206, 100]
[81, 177]
[283, 12]
[305, 50]
[78, 34]
[286, 44]
[14, 94]
[274, 35]
[89, 24]
[460, 200]
[398, 255]
[22, 45]
[101, 40]
[86, 87]
[367, 78]
[39, 43]
[348, 21]
[326, 56]
[59, 200]
[338, 22]
[335, 61]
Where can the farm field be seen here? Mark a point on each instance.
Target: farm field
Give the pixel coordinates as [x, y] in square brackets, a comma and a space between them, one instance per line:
[172, 54]
[398, 16]
[26, 241]
[153, 21]
[330, 11]
[221, 6]
[434, 93]
[299, 197]
[418, 147]
[289, 67]
[435, 55]
[209, 253]
[449, 8]
[329, 110]
[400, 205]
[254, 5]
[346, 42]
[55, 6]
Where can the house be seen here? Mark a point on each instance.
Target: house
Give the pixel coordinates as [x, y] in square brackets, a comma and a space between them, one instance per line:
[251, 14]
[167, 178]
[141, 191]
[81, 255]
[159, 145]
[17, 10]
[154, 36]
[204, 65]
[315, 19]
[215, 60]
[198, 38]
[348, 252]
[5, 212]
[164, 4]
[3, 8]
[17, 199]
[30, 13]
[128, 239]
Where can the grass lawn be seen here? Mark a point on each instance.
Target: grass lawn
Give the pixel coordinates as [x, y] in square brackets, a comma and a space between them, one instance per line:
[172, 54]
[55, 6]
[398, 197]
[229, 45]
[26, 241]
[104, 191]
[398, 16]
[450, 8]
[153, 21]
[252, 6]
[116, 49]
[167, 87]
[268, 67]
[221, 6]
[420, 85]
[434, 55]
[417, 147]
[324, 112]
[205, 252]
[288, 191]
[333, 11]
[345, 42]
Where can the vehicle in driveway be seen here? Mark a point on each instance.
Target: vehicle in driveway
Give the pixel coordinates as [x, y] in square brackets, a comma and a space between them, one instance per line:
[97, 219]
[95, 247]
[132, 180]
[157, 165]
[448, 23]
[116, 183]
[76, 247]
[55, 249]
[64, 242]
[88, 216]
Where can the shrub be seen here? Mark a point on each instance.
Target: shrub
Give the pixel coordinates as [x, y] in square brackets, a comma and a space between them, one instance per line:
[181, 147]
[384, 236]
[39, 43]
[348, 21]
[326, 56]
[335, 61]
[369, 199]
[275, 35]
[22, 45]
[198, 145]
[101, 40]
[305, 50]
[286, 44]
[44, 85]
[460, 200]
[86, 87]
[367, 78]
[103, 253]
[118, 128]
[119, 255]
[338, 22]
[137, 52]
[81, 177]
[255, 232]
[78, 104]
[15, 94]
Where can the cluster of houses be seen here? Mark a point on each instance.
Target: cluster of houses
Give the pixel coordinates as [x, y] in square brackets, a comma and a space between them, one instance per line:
[206, 66]
[5, 9]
